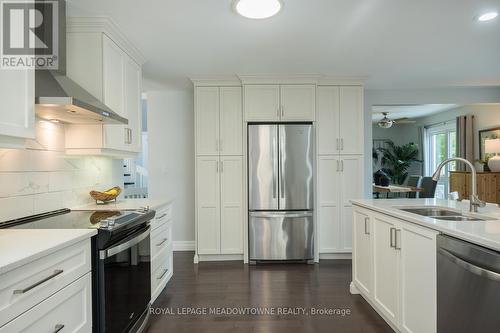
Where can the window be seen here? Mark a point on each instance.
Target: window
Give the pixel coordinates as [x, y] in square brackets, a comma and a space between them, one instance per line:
[441, 144]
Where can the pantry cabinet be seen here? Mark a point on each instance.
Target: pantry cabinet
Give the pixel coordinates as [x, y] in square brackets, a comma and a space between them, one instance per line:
[340, 120]
[219, 125]
[286, 102]
[17, 105]
[104, 64]
[219, 201]
[339, 182]
[394, 268]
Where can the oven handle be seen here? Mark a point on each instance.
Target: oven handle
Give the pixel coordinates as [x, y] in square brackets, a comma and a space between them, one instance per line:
[103, 254]
[470, 267]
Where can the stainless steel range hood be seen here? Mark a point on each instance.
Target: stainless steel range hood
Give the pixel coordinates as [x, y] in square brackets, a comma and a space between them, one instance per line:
[60, 98]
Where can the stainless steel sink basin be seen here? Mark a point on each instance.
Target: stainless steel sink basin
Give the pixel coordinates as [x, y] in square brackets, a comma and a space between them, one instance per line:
[431, 211]
[441, 213]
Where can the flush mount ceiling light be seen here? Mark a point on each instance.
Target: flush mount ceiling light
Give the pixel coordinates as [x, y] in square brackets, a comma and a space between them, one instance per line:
[487, 16]
[257, 9]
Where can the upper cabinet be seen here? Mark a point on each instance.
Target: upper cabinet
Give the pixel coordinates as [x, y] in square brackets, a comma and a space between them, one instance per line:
[287, 102]
[17, 105]
[340, 120]
[106, 65]
[219, 123]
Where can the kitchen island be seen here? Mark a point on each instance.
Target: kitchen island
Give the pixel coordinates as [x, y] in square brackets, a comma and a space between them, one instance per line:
[395, 251]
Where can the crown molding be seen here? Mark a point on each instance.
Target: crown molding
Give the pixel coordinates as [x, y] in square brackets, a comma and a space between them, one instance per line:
[279, 78]
[219, 81]
[342, 80]
[106, 25]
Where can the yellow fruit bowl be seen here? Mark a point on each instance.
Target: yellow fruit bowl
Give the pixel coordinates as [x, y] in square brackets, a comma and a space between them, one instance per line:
[106, 196]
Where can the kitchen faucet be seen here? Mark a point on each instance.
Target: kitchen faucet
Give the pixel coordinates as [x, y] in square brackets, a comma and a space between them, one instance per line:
[475, 202]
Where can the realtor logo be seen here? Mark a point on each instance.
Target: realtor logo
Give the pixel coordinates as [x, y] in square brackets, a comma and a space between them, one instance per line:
[30, 34]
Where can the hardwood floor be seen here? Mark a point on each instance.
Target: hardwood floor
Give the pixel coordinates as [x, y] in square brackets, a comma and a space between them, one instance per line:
[266, 287]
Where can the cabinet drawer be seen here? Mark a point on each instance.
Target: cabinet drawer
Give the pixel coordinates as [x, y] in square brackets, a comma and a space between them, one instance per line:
[161, 238]
[162, 270]
[28, 285]
[68, 310]
[163, 214]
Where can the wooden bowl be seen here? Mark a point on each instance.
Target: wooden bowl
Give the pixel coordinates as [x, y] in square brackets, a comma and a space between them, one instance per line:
[105, 197]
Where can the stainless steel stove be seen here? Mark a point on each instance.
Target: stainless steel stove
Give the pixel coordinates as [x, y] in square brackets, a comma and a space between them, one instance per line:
[121, 267]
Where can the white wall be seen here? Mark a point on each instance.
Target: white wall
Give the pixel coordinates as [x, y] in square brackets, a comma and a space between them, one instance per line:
[450, 95]
[171, 157]
[42, 178]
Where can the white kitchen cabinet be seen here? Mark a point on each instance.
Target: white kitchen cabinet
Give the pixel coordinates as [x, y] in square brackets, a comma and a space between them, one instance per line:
[285, 102]
[386, 268]
[298, 102]
[161, 250]
[219, 205]
[231, 204]
[339, 181]
[219, 126]
[105, 68]
[363, 254]
[394, 267]
[418, 279]
[340, 120]
[17, 105]
[208, 205]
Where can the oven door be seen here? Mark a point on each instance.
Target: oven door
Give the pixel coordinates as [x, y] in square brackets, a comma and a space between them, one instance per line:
[124, 286]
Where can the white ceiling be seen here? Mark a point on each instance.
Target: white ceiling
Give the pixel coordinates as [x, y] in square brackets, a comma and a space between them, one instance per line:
[412, 43]
[409, 111]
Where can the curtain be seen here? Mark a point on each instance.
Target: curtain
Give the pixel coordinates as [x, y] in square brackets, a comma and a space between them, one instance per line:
[465, 140]
[422, 145]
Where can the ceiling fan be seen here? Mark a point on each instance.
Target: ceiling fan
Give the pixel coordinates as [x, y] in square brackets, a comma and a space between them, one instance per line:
[386, 122]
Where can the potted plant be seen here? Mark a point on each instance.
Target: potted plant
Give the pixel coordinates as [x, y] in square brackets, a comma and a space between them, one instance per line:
[396, 160]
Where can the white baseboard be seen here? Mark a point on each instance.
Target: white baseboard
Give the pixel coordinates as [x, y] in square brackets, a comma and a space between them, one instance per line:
[335, 256]
[184, 246]
[220, 257]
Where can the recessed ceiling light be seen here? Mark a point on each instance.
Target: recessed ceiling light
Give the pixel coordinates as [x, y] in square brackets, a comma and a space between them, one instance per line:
[55, 121]
[258, 9]
[487, 16]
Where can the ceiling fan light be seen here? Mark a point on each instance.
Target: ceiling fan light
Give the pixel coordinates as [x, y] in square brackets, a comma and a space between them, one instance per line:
[257, 9]
[385, 123]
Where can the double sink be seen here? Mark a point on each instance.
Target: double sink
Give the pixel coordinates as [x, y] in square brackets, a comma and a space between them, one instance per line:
[441, 213]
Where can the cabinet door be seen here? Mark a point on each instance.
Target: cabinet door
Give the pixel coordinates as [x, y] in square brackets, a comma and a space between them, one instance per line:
[231, 122]
[208, 205]
[328, 120]
[362, 252]
[328, 203]
[351, 120]
[132, 105]
[17, 102]
[113, 58]
[231, 173]
[262, 102]
[207, 120]
[351, 184]
[418, 279]
[298, 102]
[385, 268]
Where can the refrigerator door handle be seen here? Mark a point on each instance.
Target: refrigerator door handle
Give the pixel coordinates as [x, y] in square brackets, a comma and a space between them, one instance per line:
[281, 133]
[281, 214]
[275, 167]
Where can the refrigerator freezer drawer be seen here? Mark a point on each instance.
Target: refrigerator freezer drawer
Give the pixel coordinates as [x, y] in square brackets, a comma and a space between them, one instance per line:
[281, 236]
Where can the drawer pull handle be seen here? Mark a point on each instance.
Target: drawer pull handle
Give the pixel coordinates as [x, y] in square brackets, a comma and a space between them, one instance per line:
[162, 242]
[58, 328]
[34, 285]
[161, 216]
[162, 274]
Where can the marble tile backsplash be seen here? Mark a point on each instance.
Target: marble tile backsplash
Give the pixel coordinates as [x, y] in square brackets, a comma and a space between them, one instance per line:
[42, 178]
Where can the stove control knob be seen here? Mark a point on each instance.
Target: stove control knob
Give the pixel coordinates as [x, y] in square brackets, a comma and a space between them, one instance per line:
[144, 209]
[103, 224]
[111, 222]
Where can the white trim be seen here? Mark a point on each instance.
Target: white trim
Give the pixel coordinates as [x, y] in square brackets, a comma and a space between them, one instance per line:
[217, 81]
[280, 79]
[342, 80]
[184, 246]
[106, 25]
[329, 256]
[220, 257]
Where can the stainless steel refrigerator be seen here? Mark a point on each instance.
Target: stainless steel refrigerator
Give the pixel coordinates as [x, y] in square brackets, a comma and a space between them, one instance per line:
[280, 184]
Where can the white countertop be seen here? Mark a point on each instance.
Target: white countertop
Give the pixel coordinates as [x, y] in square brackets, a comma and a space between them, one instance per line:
[21, 246]
[484, 233]
[126, 204]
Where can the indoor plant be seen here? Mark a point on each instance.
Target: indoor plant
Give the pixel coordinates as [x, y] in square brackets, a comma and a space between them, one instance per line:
[397, 159]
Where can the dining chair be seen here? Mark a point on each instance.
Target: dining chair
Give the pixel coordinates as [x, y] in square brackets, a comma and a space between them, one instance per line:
[414, 181]
[428, 188]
